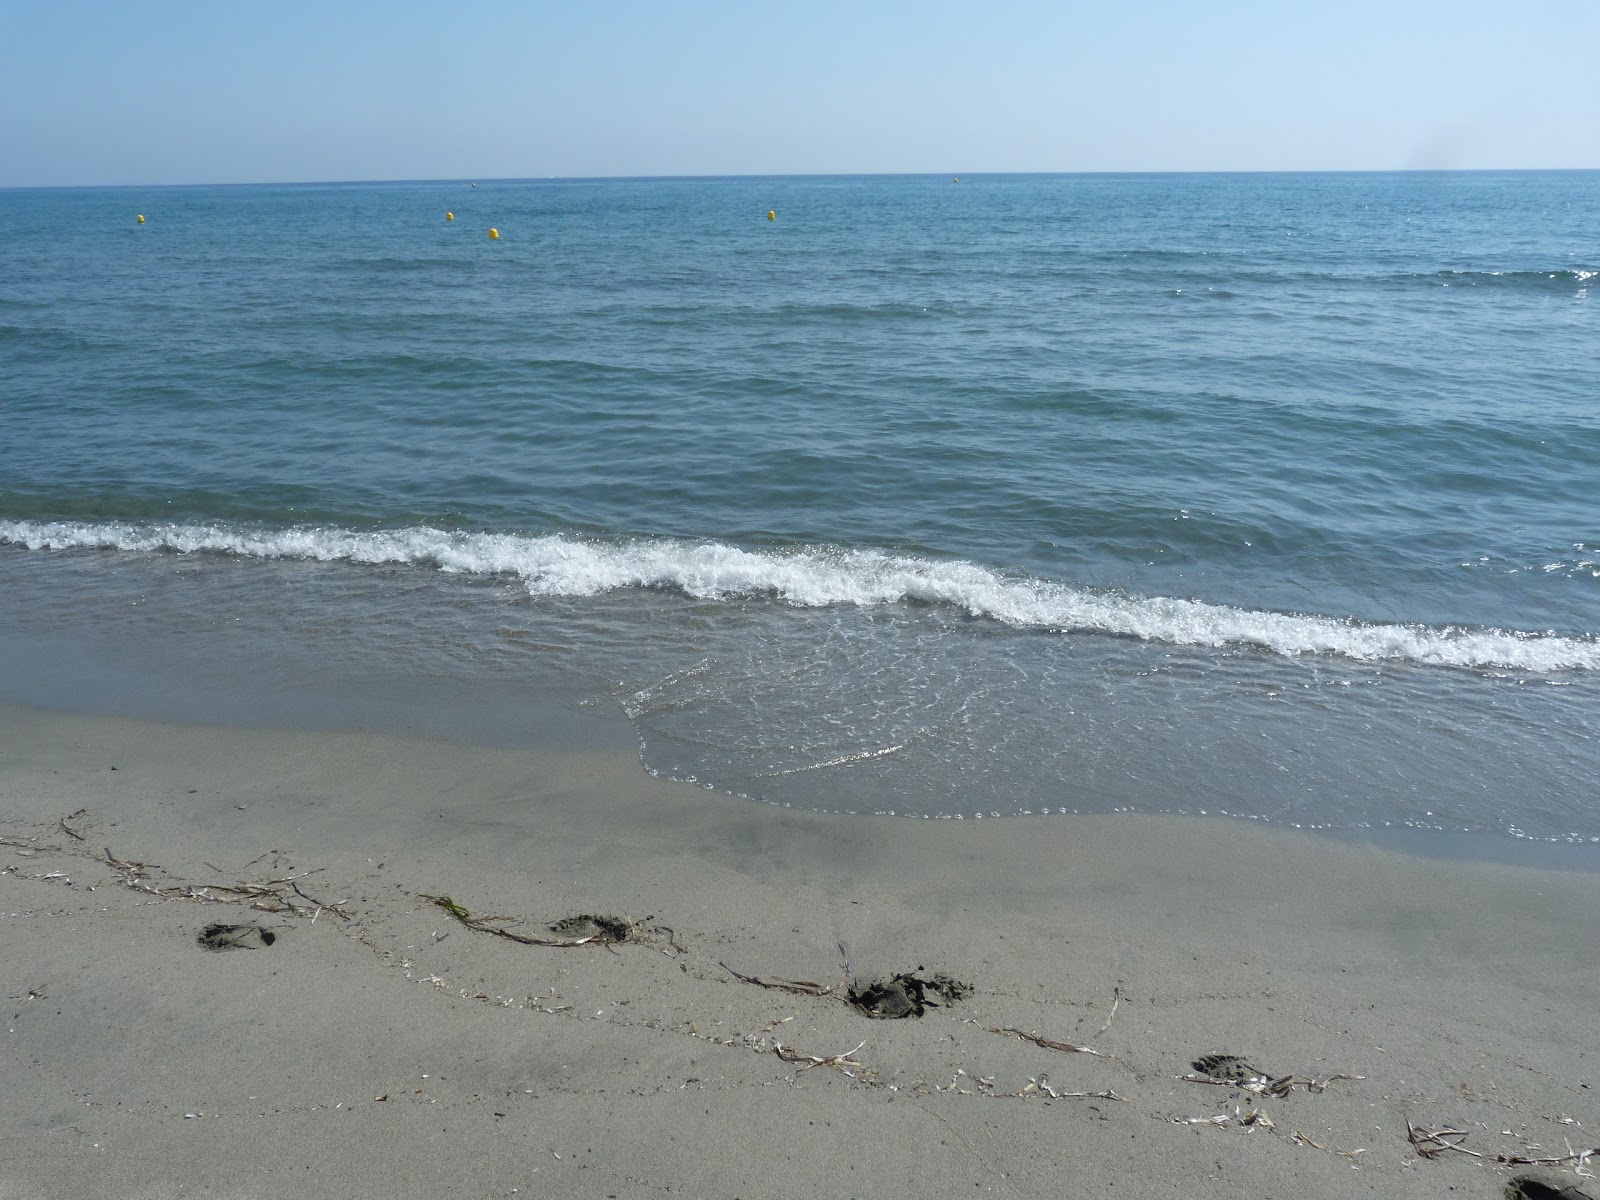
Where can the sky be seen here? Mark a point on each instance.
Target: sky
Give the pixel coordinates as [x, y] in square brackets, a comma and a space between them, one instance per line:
[169, 91]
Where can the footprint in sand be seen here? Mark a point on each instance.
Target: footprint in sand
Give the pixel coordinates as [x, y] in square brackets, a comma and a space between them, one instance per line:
[594, 928]
[1228, 1068]
[1529, 1188]
[906, 995]
[236, 937]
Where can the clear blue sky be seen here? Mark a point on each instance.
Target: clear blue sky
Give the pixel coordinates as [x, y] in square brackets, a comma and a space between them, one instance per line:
[177, 92]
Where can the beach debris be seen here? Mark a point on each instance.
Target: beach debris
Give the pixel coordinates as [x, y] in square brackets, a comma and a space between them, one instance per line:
[673, 948]
[1230, 1070]
[800, 987]
[236, 937]
[906, 995]
[807, 1061]
[1578, 1160]
[1041, 1084]
[586, 929]
[1116, 999]
[1432, 1143]
[1251, 1119]
[68, 829]
[272, 895]
[1049, 1043]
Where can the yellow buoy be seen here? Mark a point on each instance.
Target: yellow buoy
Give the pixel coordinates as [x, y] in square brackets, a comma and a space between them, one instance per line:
[449, 216]
[771, 216]
[494, 234]
[140, 218]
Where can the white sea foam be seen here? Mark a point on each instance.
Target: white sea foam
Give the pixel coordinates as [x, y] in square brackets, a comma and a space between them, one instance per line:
[561, 566]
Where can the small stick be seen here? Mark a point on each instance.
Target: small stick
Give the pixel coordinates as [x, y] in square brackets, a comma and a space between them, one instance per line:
[1116, 999]
[309, 900]
[672, 941]
[1064, 1047]
[802, 987]
[1050, 1043]
[69, 830]
[1575, 1158]
[1042, 1084]
[1420, 1138]
[789, 1054]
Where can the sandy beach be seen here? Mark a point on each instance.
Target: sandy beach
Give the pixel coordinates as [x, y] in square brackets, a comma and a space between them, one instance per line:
[1113, 1005]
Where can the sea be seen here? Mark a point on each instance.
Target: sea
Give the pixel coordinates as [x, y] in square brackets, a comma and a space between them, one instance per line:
[1266, 498]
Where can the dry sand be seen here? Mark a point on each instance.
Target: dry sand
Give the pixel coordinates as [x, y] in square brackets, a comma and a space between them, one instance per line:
[380, 1047]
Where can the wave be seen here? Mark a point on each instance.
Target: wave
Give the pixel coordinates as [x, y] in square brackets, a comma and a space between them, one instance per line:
[1560, 279]
[556, 565]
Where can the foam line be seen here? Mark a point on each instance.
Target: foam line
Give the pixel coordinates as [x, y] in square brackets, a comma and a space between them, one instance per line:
[553, 565]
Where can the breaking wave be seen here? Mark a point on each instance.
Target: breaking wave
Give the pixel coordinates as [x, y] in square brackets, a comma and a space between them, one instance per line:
[556, 565]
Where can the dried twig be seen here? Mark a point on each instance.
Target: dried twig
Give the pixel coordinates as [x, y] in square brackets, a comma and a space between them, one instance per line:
[672, 941]
[1050, 1043]
[801, 987]
[1042, 1085]
[789, 1054]
[481, 925]
[310, 899]
[1064, 1047]
[266, 897]
[68, 829]
[1116, 999]
[1576, 1159]
[1429, 1145]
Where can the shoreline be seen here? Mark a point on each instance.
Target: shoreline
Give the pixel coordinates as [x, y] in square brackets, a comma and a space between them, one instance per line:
[1459, 992]
[75, 676]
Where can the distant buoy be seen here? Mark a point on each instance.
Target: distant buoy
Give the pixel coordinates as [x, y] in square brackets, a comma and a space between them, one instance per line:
[957, 179]
[474, 185]
[494, 235]
[449, 216]
[771, 215]
[140, 218]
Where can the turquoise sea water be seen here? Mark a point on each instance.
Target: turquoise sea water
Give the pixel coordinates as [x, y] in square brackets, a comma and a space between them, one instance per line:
[1277, 496]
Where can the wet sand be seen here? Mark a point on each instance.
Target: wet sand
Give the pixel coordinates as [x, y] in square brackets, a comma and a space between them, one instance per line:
[379, 1046]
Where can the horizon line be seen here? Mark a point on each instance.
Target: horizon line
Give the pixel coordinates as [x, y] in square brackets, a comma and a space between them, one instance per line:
[524, 179]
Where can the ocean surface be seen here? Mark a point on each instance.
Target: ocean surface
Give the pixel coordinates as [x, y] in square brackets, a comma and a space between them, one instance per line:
[1265, 497]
